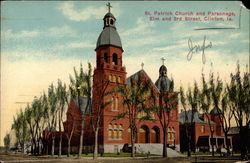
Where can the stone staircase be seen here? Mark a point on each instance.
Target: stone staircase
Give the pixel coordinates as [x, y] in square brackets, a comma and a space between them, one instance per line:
[155, 149]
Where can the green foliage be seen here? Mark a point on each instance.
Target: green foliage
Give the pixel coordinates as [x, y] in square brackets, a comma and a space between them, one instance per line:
[7, 141]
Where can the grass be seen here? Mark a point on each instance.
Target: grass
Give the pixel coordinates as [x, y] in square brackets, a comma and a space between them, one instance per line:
[200, 153]
[123, 154]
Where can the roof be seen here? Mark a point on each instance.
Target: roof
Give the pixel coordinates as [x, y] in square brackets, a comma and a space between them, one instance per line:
[83, 104]
[233, 131]
[109, 15]
[109, 36]
[135, 75]
[197, 117]
[215, 111]
[163, 83]
[163, 68]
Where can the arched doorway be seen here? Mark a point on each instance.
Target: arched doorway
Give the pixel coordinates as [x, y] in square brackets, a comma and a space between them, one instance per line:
[155, 135]
[144, 134]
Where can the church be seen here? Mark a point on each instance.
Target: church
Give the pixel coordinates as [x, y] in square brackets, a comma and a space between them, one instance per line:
[113, 135]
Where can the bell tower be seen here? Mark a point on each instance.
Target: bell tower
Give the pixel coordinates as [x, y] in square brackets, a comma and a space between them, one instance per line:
[108, 73]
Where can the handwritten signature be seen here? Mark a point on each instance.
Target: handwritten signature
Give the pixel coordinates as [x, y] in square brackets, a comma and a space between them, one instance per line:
[197, 48]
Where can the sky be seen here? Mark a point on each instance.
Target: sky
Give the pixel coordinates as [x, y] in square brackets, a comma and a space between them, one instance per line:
[41, 42]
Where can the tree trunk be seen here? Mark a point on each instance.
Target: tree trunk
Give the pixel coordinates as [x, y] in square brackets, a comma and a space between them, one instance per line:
[53, 146]
[164, 151]
[60, 145]
[60, 140]
[212, 136]
[226, 144]
[81, 137]
[68, 147]
[47, 148]
[133, 143]
[96, 144]
[189, 140]
[242, 144]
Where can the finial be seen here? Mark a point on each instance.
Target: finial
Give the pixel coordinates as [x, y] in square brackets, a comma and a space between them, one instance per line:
[142, 64]
[163, 59]
[109, 6]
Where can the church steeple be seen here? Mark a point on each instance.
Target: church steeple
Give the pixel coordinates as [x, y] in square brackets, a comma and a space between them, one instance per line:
[109, 19]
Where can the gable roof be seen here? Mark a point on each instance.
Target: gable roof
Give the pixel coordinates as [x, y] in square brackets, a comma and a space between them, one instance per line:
[197, 117]
[135, 76]
[83, 104]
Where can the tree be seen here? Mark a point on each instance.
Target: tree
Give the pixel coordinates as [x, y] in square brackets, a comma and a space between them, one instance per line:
[80, 86]
[7, 142]
[206, 95]
[52, 115]
[20, 127]
[97, 111]
[163, 106]
[69, 130]
[134, 97]
[239, 101]
[192, 99]
[61, 94]
[226, 118]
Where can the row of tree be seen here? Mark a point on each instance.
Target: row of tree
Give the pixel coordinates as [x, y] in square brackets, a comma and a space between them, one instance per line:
[47, 111]
[39, 121]
[231, 100]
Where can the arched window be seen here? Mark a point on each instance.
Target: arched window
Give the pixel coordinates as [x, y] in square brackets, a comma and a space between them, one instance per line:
[119, 79]
[120, 132]
[106, 57]
[202, 129]
[112, 103]
[114, 78]
[116, 103]
[111, 21]
[110, 78]
[110, 134]
[115, 134]
[115, 59]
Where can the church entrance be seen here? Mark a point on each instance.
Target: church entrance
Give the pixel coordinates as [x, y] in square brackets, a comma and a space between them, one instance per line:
[155, 135]
[144, 134]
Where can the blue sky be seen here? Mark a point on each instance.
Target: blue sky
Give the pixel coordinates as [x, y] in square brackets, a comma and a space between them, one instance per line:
[42, 41]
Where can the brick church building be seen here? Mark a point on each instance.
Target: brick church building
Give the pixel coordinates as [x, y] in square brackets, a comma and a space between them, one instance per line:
[110, 69]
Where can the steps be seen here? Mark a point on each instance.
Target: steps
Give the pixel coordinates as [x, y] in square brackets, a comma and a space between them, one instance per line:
[155, 149]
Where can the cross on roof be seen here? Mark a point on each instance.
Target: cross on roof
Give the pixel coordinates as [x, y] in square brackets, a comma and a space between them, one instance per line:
[109, 6]
[142, 64]
[163, 59]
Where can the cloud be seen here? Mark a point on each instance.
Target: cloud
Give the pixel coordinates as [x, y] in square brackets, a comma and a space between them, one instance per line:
[69, 10]
[142, 27]
[9, 34]
[75, 45]
[61, 31]
[234, 35]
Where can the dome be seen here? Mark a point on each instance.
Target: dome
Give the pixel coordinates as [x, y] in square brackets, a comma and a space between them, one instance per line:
[162, 68]
[109, 36]
[109, 15]
[163, 84]
[215, 111]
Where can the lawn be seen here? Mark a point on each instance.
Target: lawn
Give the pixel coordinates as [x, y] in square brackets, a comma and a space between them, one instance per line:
[123, 154]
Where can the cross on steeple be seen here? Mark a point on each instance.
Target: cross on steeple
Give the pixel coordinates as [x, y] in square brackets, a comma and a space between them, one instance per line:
[142, 64]
[109, 6]
[163, 59]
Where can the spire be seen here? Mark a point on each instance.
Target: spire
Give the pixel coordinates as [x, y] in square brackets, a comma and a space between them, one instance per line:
[163, 59]
[109, 6]
[109, 19]
[142, 65]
